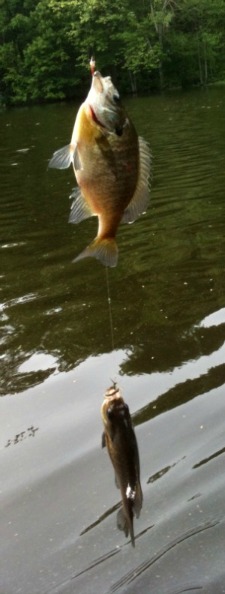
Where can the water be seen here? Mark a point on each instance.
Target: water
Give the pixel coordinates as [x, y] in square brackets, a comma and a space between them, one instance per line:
[58, 498]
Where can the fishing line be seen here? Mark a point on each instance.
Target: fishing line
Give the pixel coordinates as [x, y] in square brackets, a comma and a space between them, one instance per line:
[110, 306]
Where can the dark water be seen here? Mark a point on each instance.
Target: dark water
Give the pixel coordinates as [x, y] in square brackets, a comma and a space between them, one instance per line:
[58, 498]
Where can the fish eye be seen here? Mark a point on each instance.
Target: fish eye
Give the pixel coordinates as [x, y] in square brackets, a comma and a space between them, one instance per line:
[119, 131]
[109, 412]
[126, 408]
[116, 98]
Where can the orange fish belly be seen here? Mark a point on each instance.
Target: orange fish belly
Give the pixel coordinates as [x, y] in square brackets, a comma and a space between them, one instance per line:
[109, 171]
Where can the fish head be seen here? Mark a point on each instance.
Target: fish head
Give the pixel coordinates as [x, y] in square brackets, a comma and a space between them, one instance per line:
[104, 102]
[115, 412]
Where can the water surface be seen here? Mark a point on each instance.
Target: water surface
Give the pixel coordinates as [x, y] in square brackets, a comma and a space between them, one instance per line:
[58, 498]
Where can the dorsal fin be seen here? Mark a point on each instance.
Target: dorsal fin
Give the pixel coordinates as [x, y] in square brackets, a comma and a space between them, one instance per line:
[140, 199]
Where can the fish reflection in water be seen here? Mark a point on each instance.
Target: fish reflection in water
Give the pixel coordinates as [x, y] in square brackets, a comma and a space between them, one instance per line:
[121, 443]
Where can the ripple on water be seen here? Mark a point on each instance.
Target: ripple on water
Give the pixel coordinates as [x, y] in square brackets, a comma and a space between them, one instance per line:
[167, 300]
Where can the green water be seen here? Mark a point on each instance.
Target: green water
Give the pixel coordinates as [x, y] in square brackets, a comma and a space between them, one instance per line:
[171, 267]
[56, 357]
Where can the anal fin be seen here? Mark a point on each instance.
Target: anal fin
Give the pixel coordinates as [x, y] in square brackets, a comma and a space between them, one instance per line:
[79, 209]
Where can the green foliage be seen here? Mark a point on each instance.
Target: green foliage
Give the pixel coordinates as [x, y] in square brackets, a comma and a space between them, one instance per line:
[45, 45]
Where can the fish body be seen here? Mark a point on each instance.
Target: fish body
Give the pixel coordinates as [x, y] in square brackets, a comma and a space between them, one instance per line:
[121, 443]
[111, 166]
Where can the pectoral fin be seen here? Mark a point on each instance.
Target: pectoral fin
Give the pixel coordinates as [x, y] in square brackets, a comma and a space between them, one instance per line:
[103, 440]
[63, 158]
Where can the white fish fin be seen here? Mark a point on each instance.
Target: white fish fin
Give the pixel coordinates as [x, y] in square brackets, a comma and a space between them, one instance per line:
[63, 158]
[79, 209]
[130, 493]
[140, 199]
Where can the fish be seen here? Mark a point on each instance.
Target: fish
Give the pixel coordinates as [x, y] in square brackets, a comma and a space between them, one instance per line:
[120, 440]
[111, 166]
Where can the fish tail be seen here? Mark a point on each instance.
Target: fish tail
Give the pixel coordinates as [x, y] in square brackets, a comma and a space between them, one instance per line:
[131, 528]
[129, 518]
[125, 523]
[105, 250]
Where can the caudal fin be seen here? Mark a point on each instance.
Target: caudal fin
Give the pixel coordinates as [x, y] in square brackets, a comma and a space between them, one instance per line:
[105, 250]
[124, 522]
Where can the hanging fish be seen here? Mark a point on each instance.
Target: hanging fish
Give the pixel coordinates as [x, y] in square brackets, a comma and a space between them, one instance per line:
[120, 440]
[111, 166]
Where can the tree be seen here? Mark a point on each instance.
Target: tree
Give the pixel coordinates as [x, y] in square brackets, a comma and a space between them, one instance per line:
[196, 40]
[45, 45]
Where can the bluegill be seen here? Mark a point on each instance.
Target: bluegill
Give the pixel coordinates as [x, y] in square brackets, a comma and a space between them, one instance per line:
[111, 166]
[121, 443]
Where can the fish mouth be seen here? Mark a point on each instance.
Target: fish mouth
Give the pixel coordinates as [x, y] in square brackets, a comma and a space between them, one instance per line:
[97, 82]
[112, 392]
